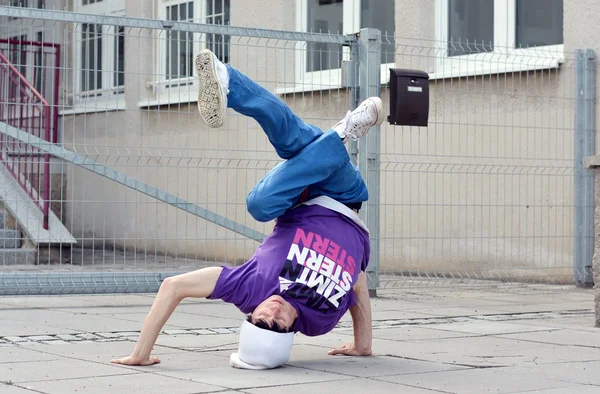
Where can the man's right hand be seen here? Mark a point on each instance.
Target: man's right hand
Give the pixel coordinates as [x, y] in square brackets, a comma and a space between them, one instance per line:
[132, 361]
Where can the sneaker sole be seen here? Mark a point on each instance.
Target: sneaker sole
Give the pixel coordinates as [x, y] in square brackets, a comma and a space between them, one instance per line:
[210, 102]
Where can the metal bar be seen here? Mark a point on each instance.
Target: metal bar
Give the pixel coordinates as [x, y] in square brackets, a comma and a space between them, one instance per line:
[99, 169]
[82, 283]
[354, 96]
[25, 42]
[154, 24]
[45, 172]
[21, 79]
[369, 146]
[585, 123]
[56, 94]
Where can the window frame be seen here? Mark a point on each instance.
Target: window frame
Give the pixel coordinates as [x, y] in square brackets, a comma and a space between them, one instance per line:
[505, 57]
[108, 97]
[182, 90]
[160, 60]
[326, 79]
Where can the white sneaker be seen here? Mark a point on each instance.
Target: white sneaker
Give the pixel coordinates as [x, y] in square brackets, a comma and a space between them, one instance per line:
[356, 123]
[213, 89]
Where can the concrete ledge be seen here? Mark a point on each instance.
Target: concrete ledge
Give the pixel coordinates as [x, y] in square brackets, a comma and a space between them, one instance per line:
[10, 239]
[591, 161]
[18, 257]
[29, 216]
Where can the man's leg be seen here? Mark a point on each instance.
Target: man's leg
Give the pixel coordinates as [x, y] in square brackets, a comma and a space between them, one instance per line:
[315, 159]
[323, 167]
[223, 86]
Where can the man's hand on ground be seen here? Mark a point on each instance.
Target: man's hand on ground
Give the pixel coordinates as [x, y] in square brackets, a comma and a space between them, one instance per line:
[130, 360]
[350, 350]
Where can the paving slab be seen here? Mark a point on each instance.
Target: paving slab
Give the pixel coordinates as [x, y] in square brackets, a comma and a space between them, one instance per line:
[17, 354]
[142, 383]
[244, 379]
[30, 322]
[575, 389]
[433, 310]
[316, 359]
[579, 323]
[559, 337]
[58, 369]
[584, 372]
[99, 300]
[475, 381]
[14, 327]
[12, 389]
[199, 342]
[482, 327]
[184, 361]
[408, 333]
[396, 314]
[91, 351]
[183, 320]
[346, 386]
[212, 308]
[484, 351]
[106, 310]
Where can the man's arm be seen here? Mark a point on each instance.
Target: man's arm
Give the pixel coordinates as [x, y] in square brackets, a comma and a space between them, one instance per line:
[361, 322]
[195, 284]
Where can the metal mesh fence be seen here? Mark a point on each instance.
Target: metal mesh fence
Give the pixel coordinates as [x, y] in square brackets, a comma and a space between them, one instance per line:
[485, 192]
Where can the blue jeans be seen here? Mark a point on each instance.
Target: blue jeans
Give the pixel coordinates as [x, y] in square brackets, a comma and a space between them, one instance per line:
[314, 159]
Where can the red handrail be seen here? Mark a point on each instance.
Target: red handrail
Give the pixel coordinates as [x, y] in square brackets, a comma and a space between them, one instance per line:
[20, 92]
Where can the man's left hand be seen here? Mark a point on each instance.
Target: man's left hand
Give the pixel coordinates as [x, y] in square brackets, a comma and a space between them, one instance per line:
[350, 350]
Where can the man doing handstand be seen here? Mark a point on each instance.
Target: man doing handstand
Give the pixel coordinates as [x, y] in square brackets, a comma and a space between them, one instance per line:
[311, 269]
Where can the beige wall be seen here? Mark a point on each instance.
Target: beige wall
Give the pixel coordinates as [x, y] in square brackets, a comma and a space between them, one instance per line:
[486, 187]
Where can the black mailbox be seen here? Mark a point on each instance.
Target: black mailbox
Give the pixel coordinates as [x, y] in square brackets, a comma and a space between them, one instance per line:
[409, 97]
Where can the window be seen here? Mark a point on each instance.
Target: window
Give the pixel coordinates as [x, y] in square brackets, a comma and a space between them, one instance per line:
[119, 58]
[470, 27]
[539, 23]
[180, 45]
[383, 18]
[217, 12]
[319, 64]
[176, 49]
[99, 58]
[490, 36]
[324, 17]
[91, 57]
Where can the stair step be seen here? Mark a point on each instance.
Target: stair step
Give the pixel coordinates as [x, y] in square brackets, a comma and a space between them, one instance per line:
[10, 239]
[3, 220]
[18, 256]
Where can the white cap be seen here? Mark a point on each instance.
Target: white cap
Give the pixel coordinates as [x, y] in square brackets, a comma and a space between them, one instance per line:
[261, 349]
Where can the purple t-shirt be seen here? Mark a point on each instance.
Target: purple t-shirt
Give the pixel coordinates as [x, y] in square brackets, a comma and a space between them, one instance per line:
[312, 259]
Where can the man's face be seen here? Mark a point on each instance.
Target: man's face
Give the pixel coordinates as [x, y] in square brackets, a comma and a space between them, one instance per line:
[275, 312]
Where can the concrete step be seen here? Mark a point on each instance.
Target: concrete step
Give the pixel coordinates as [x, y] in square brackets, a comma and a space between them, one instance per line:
[10, 239]
[3, 220]
[18, 256]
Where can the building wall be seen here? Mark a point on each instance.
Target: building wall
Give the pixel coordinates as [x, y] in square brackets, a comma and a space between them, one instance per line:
[485, 187]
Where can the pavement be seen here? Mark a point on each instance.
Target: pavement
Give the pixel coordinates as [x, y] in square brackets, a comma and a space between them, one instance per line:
[511, 338]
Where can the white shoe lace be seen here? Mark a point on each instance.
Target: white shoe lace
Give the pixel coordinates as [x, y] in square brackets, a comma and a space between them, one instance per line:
[359, 121]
